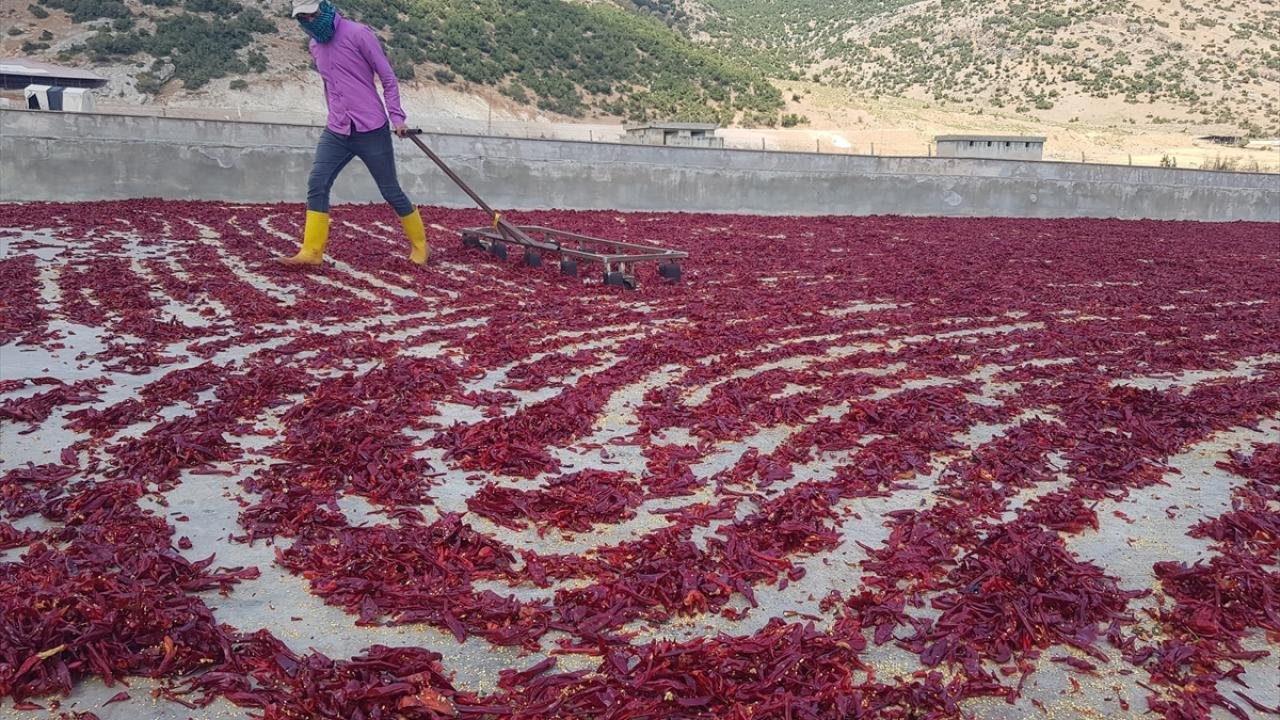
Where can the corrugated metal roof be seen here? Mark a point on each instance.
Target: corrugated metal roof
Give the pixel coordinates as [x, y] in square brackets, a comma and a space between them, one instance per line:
[23, 66]
[989, 138]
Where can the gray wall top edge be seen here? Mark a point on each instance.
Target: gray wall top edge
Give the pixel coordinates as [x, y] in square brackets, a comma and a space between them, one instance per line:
[158, 118]
[992, 167]
[617, 208]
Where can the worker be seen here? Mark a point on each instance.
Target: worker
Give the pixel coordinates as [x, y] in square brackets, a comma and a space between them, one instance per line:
[348, 55]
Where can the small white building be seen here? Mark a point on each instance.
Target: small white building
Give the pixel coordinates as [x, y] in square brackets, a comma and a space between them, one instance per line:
[1001, 147]
[674, 133]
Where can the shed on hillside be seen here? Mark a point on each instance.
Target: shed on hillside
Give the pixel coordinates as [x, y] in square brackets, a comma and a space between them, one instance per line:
[674, 133]
[18, 73]
[1002, 147]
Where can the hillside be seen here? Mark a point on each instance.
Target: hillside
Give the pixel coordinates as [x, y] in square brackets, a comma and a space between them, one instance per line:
[569, 59]
[1191, 65]
[1191, 61]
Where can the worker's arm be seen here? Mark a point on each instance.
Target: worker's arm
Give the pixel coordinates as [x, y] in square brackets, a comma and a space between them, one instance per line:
[372, 51]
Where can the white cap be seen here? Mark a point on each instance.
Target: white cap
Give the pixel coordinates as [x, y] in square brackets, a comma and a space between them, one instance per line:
[305, 7]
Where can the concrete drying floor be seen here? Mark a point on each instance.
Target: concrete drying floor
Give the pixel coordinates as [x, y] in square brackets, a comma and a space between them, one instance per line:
[1148, 526]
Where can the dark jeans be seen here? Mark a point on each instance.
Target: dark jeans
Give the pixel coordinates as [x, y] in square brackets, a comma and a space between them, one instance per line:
[374, 148]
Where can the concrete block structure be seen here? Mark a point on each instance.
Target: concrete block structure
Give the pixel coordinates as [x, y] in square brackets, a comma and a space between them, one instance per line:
[674, 134]
[996, 147]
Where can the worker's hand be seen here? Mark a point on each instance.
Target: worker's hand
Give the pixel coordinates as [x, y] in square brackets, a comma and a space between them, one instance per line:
[402, 131]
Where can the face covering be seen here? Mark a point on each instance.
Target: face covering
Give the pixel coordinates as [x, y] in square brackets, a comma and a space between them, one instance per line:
[321, 29]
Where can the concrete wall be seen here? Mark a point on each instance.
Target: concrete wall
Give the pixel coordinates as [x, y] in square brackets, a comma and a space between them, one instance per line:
[77, 157]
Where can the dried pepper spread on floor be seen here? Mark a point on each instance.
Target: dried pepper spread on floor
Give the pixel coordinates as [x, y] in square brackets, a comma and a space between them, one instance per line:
[846, 468]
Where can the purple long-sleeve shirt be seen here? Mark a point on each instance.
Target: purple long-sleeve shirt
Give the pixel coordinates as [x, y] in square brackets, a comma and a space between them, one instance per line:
[348, 63]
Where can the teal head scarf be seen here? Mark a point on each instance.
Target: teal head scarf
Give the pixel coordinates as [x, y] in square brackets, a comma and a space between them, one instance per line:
[321, 28]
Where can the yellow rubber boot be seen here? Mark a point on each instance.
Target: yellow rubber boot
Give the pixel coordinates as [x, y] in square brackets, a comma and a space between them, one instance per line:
[314, 239]
[417, 234]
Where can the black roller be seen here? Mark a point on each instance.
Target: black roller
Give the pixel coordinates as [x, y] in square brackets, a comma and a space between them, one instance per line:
[670, 271]
[620, 280]
[499, 250]
[532, 258]
[471, 241]
[569, 267]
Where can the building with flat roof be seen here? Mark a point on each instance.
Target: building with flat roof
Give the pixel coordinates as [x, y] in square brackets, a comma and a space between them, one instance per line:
[674, 133]
[18, 73]
[1000, 147]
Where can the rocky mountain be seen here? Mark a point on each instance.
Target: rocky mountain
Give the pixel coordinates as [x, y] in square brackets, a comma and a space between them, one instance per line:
[1196, 61]
[1186, 62]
